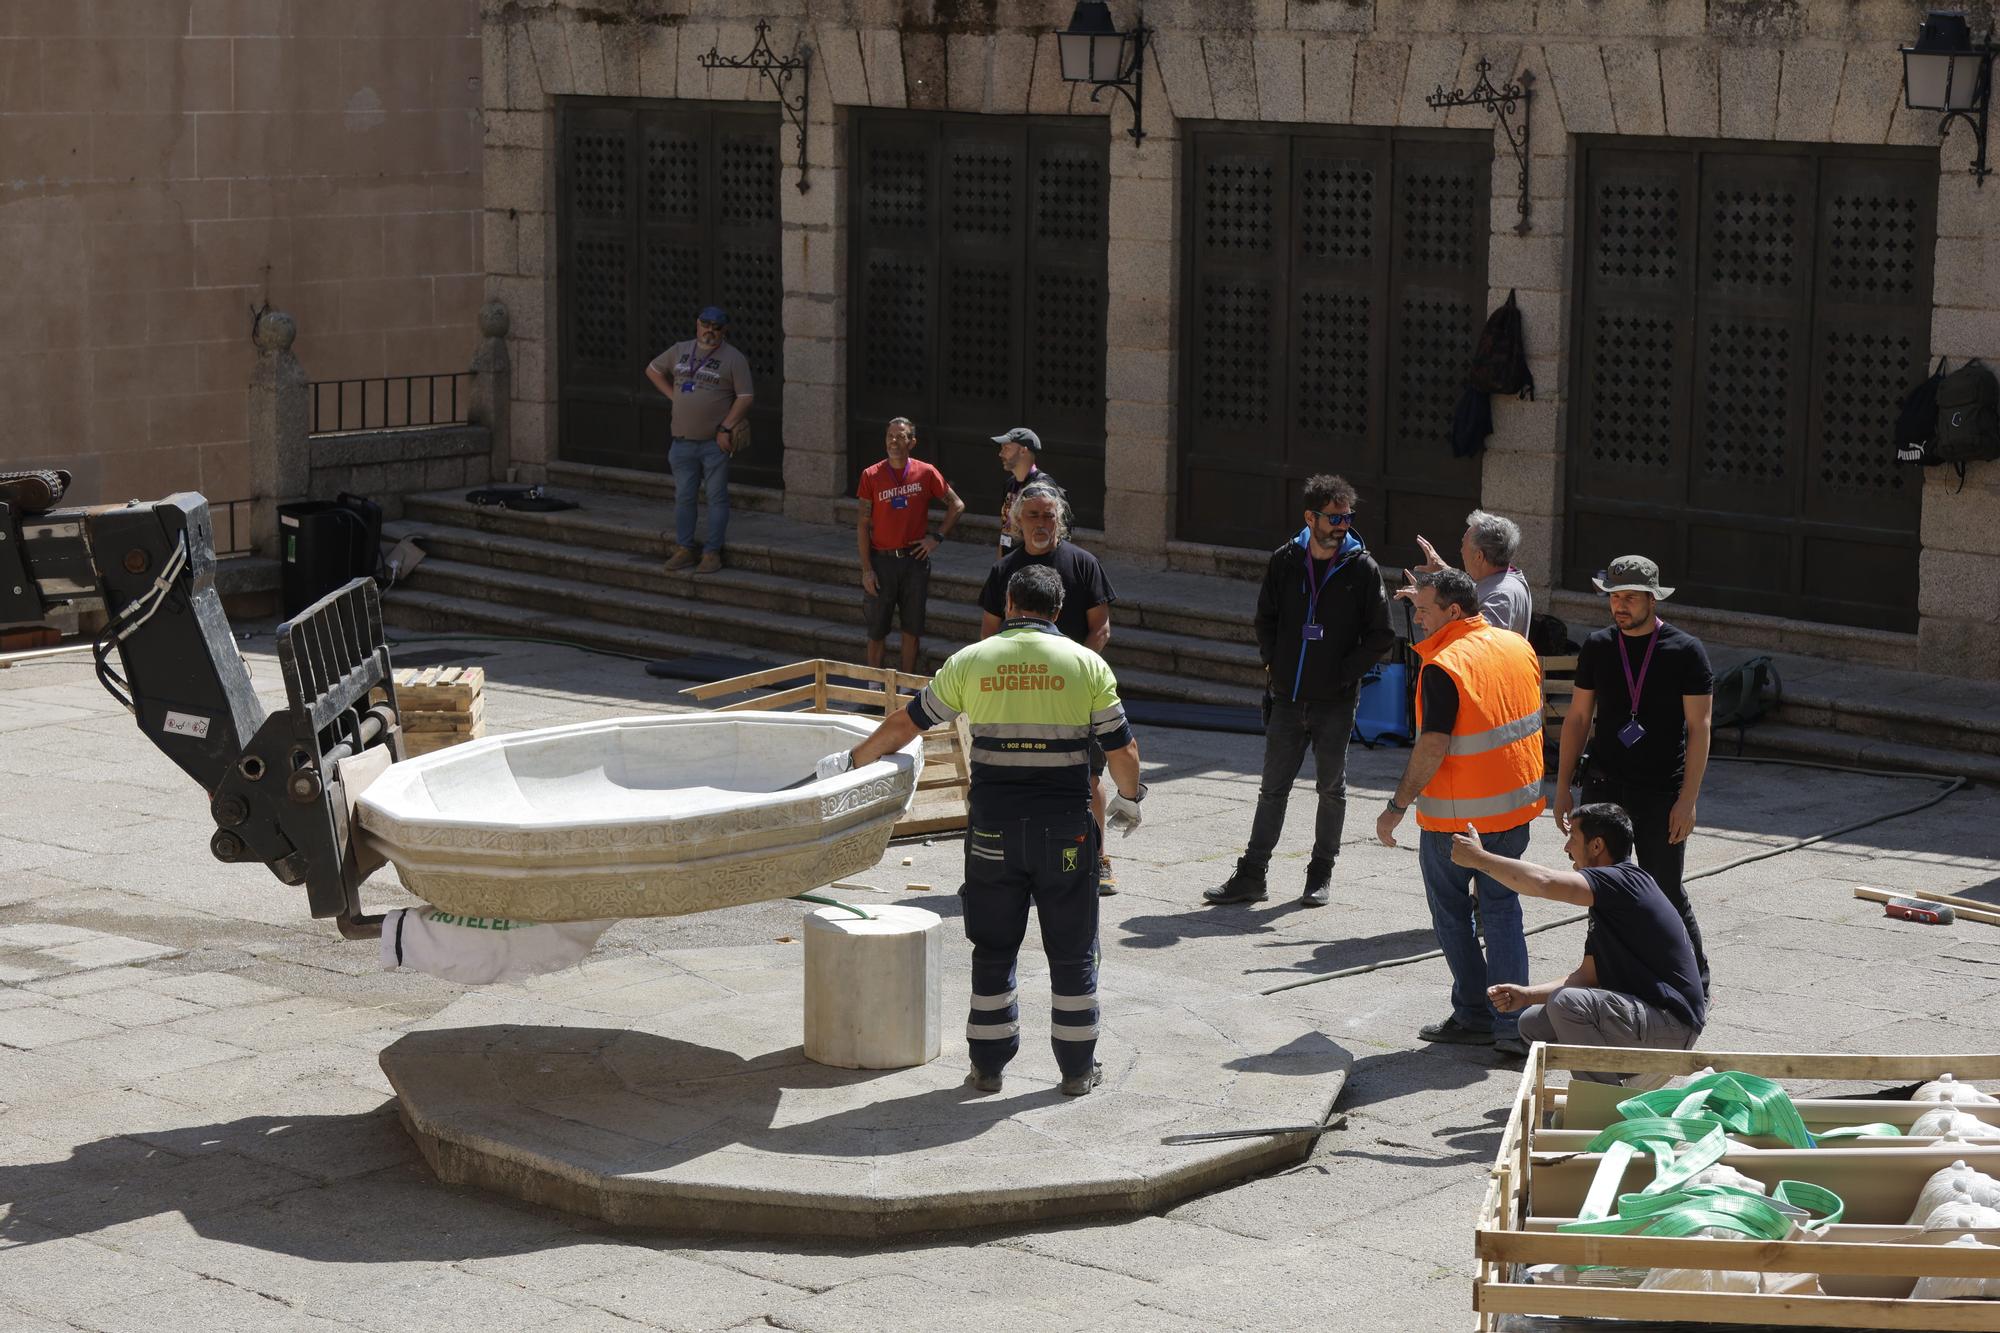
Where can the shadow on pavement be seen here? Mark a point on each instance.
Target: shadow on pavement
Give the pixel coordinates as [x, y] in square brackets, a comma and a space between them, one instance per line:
[1338, 954]
[1203, 922]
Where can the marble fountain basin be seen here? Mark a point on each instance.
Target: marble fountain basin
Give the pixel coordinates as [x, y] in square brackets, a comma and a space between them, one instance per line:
[636, 816]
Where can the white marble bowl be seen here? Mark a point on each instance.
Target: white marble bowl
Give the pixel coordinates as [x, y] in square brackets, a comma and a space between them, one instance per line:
[637, 816]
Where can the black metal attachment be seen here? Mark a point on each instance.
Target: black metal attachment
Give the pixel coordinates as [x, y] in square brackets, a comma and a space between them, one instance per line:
[1947, 71]
[1093, 51]
[1502, 102]
[778, 70]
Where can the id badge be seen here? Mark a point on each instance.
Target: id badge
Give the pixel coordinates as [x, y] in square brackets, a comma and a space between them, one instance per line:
[1631, 733]
[900, 502]
[687, 386]
[1315, 632]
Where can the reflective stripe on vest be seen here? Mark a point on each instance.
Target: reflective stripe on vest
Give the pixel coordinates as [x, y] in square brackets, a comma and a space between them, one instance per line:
[1491, 774]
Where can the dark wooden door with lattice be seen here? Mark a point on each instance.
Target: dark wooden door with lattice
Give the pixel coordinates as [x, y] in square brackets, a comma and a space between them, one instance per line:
[1335, 287]
[1748, 317]
[976, 294]
[663, 208]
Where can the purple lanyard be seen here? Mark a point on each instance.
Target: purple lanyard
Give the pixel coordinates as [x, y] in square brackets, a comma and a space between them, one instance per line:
[1636, 684]
[1315, 585]
[694, 366]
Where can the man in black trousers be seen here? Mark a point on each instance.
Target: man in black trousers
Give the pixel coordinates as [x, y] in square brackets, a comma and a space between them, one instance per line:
[1649, 745]
[1322, 621]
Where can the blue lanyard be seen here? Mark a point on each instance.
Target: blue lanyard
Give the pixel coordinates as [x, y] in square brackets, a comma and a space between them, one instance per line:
[695, 367]
[1315, 584]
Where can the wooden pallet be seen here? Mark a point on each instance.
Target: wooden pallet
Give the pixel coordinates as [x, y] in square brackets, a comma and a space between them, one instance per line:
[440, 706]
[815, 686]
[1867, 1264]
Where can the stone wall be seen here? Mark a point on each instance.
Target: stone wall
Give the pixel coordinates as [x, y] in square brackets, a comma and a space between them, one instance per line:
[386, 465]
[1802, 70]
[167, 167]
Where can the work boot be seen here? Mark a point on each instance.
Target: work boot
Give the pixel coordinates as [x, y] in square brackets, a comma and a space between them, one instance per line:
[710, 562]
[1082, 1083]
[1107, 883]
[1511, 1045]
[1319, 879]
[681, 559]
[1245, 886]
[980, 1081]
[1451, 1032]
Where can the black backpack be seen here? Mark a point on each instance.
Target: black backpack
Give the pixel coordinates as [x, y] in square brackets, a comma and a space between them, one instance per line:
[1916, 422]
[1968, 417]
[1740, 695]
[1501, 363]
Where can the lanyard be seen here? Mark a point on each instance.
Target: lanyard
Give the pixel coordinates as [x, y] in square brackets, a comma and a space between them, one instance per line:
[1315, 584]
[694, 366]
[1635, 684]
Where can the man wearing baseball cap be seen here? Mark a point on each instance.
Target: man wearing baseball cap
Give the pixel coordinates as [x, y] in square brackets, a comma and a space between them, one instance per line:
[1020, 448]
[708, 382]
[1649, 741]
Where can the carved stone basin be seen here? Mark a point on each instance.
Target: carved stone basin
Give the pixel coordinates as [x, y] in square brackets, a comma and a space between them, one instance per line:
[636, 816]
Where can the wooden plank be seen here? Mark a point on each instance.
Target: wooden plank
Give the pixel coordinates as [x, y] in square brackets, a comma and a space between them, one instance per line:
[1803, 1256]
[1965, 908]
[1777, 1064]
[1732, 1308]
[798, 694]
[754, 680]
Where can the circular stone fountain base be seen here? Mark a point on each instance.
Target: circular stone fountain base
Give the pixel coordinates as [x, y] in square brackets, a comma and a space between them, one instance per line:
[671, 1091]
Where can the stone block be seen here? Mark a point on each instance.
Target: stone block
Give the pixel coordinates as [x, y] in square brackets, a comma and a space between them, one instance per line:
[1343, 15]
[874, 987]
[968, 66]
[533, 429]
[1963, 207]
[586, 57]
[1456, 16]
[1142, 321]
[1011, 73]
[926, 71]
[882, 58]
[1379, 73]
[1809, 83]
[549, 43]
[1138, 523]
[1955, 520]
[808, 260]
[1183, 73]
[1533, 262]
[1281, 90]
[812, 435]
[1576, 78]
[1515, 482]
[622, 43]
[526, 300]
[804, 401]
[659, 60]
[1871, 85]
[501, 243]
[1542, 314]
[1749, 91]
[1142, 210]
[1538, 556]
[1047, 94]
[1232, 75]
[1761, 22]
[1966, 273]
[813, 360]
[1434, 63]
[1632, 72]
[1621, 18]
[1138, 374]
[837, 56]
[1329, 79]
[814, 472]
[696, 41]
[1138, 421]
[536, 236]
[1959, 648]
[1688, 79]
[515, 178]
[736, 39]
[1142, 463]
[1965, 333]
[1141, 268]
[1213, 15]
[1958, 585]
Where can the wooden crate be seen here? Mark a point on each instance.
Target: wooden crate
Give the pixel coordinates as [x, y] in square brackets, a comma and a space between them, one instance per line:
[440, 706]
[815, 686]
[1867, 1267]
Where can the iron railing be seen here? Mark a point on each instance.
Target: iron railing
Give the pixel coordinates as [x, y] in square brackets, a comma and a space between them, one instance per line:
[391, 402]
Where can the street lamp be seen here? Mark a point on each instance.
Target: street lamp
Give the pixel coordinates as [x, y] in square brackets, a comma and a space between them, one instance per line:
[1093, 51]
[1946, 71]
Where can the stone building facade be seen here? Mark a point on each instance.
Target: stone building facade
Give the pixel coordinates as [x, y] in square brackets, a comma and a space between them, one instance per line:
[168, 168]
[1771, 382]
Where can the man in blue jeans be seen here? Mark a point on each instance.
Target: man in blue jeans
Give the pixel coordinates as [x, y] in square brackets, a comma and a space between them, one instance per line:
[708, 381]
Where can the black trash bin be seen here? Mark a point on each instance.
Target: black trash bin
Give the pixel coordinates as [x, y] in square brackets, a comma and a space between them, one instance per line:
[321, 545]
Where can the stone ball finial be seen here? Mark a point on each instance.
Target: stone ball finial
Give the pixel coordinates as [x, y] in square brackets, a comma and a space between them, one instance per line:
[275, 331]
[493, 321]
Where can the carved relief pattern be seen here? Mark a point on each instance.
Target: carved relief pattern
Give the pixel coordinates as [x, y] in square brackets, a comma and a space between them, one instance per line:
[898, 188]
[1748, 392]
[979, 362]
[1638, 231]
[1238, 194]
[1440, 216]
[1334, 364]
[673, 176]
[1873, 247]
[600, 298]
[1430, 363]
[1632, 390]
[1862, 389]
[981, 191]
[748, 186]
[750, 293]
[1337, 210]
[1751, 244]
[1233, 364]
[897, 292]
[597, 172]
[1067, 334]
[673, 294]
[1069, 195]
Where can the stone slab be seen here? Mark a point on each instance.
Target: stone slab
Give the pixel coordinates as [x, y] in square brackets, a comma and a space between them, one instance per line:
[701, 1112]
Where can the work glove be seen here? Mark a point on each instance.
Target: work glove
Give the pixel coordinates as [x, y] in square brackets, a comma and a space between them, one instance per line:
[834, 765]
[1122, 812]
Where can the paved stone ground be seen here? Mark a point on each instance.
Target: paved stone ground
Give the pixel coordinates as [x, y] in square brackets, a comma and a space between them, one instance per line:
[194, 1131]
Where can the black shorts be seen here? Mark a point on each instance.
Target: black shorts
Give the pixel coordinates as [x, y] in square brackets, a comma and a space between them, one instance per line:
[902, 586]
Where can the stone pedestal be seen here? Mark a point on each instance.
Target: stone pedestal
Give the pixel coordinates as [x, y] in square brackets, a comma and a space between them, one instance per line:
[873, 987]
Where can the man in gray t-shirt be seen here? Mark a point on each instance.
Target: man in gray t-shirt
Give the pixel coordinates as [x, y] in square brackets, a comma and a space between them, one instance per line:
[1487, 549]
[708, 381]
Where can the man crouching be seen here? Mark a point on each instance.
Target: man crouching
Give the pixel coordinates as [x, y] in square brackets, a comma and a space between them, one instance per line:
[1638, 984]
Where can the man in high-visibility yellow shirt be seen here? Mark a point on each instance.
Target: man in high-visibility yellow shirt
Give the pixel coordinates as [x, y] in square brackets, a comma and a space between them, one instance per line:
[1034, 701]
[1477, 761]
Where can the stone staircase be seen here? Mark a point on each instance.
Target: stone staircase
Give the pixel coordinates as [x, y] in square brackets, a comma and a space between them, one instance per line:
[595, 575]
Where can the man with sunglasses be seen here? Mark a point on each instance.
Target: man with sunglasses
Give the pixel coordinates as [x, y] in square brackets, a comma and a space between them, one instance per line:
[708, 381]
[1322, 622]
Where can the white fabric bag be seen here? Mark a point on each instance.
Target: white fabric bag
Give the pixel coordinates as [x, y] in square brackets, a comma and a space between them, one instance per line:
[483, 950]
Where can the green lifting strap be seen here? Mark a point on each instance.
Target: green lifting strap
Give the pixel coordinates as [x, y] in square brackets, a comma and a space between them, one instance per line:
[1878, 1130]
[1741, 1103]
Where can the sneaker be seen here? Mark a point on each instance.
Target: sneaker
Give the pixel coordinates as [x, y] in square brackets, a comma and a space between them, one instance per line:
[1510, 1045]
[982, 1082]
[681, 559]
[1319, 882]
[1107, 883]
[1082, 1083]
[1454, 1033]
[1245, 886]
[710, 562]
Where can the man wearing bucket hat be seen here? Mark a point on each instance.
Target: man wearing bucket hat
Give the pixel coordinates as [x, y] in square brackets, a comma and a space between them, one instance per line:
[1648, 742]
[1020, 458]
[708, 381]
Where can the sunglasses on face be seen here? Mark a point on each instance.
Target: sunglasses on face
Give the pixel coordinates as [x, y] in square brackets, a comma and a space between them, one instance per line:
[1334, 520]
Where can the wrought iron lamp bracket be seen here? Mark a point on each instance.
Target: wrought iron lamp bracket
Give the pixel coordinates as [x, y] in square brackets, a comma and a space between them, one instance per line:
[1133, 82]
[1503, 103]
[1976, 116]
[778, 71]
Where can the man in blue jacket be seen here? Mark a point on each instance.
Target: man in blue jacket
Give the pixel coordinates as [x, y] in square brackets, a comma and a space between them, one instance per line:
[1322, 622]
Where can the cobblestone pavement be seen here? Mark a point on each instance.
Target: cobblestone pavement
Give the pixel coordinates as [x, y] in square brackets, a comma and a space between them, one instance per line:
[194, 1132]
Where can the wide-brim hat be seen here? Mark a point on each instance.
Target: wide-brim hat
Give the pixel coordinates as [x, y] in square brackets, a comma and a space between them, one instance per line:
[1632, 573]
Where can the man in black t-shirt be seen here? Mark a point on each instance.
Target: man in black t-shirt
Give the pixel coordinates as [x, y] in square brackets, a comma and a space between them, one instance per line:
[1644, 697]
[1042, 515]
[1637, 984]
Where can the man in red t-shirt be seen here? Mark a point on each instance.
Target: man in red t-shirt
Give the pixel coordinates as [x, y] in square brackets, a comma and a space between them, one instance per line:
[892, 533]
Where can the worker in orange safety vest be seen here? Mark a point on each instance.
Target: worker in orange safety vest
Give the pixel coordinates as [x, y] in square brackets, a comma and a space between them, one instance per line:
[1477, 761]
